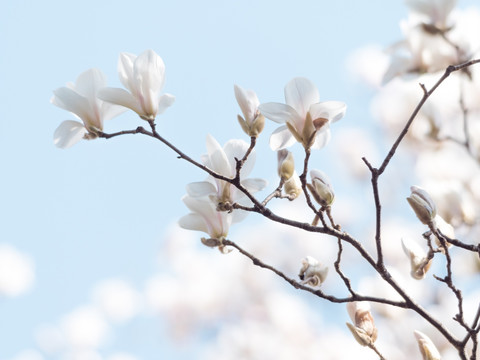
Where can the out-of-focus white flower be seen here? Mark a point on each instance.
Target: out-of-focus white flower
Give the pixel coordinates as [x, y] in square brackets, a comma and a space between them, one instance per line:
[363, 330]
[85, 328]
[117, 299]
[144, 77]
[434, 12]
[321, 188]
[205, 217]
[16, 271]
[422, 204]
[312, 272]
[252, 122]
[286, 164]
[419, 262]
[426, 346]
[81, 100]
[222, 161]
[307, 120]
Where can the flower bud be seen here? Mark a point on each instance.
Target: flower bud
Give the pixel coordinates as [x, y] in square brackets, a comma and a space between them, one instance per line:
[320, 188]
[423, 205]
[312, 272]
[363, 330]
[286, 164]
[426, 346]
[252, 122]
[419, 262]
[293, 187]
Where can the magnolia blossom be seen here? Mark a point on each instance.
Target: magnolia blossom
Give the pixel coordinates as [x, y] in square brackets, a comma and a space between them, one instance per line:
[363, 329]
[426, 346]
[252, 121]
[435, 12]
[312, 272]
[205, 217]
[222, 161]
[286, 164]
[80, 98]
[419, 261]
[143, 76]
[306, 119]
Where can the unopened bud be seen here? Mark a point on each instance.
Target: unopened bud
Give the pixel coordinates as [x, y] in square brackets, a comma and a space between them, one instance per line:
[286, 164]
[426, 346]
[312, 272]
[253, 122]
[419, 262]
[321, 188]
[293, 187]
[363, 330]
[423, 205]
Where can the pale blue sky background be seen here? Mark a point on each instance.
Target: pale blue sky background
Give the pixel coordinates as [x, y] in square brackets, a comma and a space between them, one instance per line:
[99, 209]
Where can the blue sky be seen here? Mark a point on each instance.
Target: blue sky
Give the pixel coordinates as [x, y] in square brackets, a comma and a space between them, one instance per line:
[99, 209]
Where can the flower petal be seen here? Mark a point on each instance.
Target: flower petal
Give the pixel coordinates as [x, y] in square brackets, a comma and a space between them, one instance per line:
[301, 93]
[68, 133]
[125, 70]
[218, 160]
[237, 149]
[89, 82]
[280, 113]
[321, 139]
[70, 100]
[248, 102]
[331, 110]
[120, 97]
[254, 185]
[281, 139]
[193, 222]
[200, 188]
[165, 101]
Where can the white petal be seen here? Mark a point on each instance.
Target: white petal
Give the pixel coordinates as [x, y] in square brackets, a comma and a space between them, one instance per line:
[218, 160]
[281, 139]
[70, 100]
[109, 110]
[200, 188]
[68, 133]
[125, 70]
[148, 73]
[89, 82]
[300, 93]
[331, 110]
[193, 222]
[165, 101]
[237, 149]
[321, 139]
[280, 113]
[248, 102]
[120, 97]
[254, 185]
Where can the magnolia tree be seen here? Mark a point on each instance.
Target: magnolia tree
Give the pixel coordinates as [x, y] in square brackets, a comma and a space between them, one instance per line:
[428, 96]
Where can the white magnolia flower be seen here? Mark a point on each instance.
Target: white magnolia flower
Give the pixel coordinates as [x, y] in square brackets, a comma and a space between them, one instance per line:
[143, 76]
[306, 119]
[426, 346]
[81, 99]
[252, 121]
[419, 262]
[435, 12]
[222, 161]
[312, 272]
[205, 217]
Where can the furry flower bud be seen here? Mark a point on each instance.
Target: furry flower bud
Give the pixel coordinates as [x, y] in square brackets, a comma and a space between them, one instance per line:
[286, 164]
[419, 262]
[363, 330]
[426, 346]
[321, 188]
[293, 187]
[423, 205]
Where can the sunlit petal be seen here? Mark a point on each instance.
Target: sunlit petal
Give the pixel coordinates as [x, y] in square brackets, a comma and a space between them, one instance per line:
[281, 139]
[68, 133]
[300, 93]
